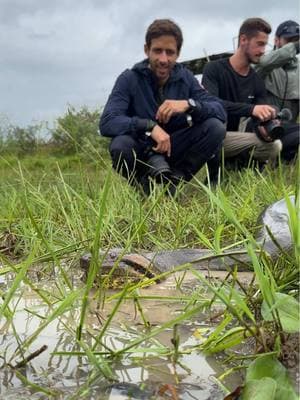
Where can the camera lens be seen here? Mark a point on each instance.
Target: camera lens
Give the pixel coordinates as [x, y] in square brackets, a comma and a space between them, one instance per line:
[274, 129]
[159, 167]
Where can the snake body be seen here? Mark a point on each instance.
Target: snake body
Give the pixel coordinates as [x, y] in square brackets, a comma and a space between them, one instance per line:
[274, 237]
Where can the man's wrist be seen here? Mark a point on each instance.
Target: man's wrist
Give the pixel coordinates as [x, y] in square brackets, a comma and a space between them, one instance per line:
[192, 106]
[150, 126]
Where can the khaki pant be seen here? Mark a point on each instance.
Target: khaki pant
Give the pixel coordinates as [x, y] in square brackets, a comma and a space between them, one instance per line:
[237, 142]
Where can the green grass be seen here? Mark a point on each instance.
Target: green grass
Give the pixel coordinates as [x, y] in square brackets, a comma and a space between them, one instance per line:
[53, 209]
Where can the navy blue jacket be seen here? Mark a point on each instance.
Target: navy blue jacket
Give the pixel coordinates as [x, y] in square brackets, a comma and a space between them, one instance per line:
[135, 99]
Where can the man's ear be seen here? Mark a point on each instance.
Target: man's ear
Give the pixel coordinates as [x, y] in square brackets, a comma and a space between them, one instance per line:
[242, 39]
[146, 50]
[276, 42]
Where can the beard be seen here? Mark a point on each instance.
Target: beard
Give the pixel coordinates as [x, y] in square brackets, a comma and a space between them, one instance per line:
[252, 59]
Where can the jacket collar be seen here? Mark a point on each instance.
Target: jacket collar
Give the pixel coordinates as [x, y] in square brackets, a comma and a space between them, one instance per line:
[143, 69]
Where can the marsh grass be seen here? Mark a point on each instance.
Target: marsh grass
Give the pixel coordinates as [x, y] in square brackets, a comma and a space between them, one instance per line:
[56, 209]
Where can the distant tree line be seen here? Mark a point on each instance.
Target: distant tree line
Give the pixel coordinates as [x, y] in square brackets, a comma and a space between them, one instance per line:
[72, 133]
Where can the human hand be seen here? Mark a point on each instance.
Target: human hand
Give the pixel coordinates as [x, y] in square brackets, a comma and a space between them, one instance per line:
[162, 139]
[169, 108]
[264, 112]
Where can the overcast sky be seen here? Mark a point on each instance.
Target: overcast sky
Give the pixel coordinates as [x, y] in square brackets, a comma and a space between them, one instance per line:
[60, 52]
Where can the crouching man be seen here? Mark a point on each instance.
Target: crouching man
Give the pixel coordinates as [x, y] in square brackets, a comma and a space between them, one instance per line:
[244, 95]
[163, 124]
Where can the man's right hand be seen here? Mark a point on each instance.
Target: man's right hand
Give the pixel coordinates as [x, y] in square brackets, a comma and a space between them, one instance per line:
[264, 112]
[162, 139]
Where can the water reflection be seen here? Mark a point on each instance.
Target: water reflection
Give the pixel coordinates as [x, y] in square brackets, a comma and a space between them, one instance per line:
[139, 375]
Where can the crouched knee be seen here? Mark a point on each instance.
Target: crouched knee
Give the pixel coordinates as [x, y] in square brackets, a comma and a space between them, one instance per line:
[275, 149]
[122, 152]
[216, 128]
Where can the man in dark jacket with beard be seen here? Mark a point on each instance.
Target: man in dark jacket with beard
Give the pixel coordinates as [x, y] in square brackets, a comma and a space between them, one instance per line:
[163, 124]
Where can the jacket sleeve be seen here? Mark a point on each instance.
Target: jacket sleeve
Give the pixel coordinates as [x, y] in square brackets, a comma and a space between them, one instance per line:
[208, 106]
[115, 119]
[211, 82]
[276, 59]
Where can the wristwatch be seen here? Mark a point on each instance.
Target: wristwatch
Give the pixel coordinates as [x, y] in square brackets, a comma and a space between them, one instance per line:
[150, 126]
[192, 105]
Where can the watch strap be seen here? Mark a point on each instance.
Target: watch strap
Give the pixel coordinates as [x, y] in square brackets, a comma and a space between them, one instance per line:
[151, 124]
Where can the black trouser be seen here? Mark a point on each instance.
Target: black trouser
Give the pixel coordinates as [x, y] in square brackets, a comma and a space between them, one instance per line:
[290, 141]
[191, 148]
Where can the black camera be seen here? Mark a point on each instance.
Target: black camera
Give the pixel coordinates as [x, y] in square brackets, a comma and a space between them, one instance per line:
[159, 168]
[273, 128]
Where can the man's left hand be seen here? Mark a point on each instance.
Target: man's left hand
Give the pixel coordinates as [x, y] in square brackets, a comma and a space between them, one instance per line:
[170, 107]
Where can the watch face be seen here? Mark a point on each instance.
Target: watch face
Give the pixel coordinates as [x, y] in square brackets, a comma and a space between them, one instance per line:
[192, 103]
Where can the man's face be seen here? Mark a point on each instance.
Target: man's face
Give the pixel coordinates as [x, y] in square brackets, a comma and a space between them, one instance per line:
[281, 41]
[162, 55]
[254, 47]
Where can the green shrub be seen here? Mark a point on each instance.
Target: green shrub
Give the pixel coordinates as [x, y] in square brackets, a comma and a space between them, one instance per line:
[21, 141]
[76, 130]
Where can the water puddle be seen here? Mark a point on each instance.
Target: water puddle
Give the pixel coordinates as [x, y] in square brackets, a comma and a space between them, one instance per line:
[151, 375]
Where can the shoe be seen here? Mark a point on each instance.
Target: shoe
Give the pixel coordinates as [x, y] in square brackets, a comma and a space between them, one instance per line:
[176, 178]
[145, 184]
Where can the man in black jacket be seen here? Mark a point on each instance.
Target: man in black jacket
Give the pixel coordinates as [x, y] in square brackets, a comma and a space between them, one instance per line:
[162, 123]
[244, 95]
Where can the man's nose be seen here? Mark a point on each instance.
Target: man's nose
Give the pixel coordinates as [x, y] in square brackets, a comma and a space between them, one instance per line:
[163, 57]
[263, 50]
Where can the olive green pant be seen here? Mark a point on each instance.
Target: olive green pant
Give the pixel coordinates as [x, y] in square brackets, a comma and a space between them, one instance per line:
[238, 142]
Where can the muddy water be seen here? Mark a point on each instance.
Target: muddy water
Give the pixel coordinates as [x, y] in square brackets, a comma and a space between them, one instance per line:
[138, 377]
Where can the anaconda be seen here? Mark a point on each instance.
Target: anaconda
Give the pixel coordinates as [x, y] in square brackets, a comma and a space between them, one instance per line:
[274, 236]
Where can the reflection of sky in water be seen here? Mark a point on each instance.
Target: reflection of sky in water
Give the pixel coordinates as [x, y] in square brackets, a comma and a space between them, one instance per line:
[69, 373]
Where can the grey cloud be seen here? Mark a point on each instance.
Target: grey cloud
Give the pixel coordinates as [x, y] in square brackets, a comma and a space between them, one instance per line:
[66, 51]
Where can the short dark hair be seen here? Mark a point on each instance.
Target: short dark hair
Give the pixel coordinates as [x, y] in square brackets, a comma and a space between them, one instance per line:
[160, 27]
[252, 26]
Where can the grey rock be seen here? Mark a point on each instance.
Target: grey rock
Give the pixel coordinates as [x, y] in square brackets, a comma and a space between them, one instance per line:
[275, 226]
